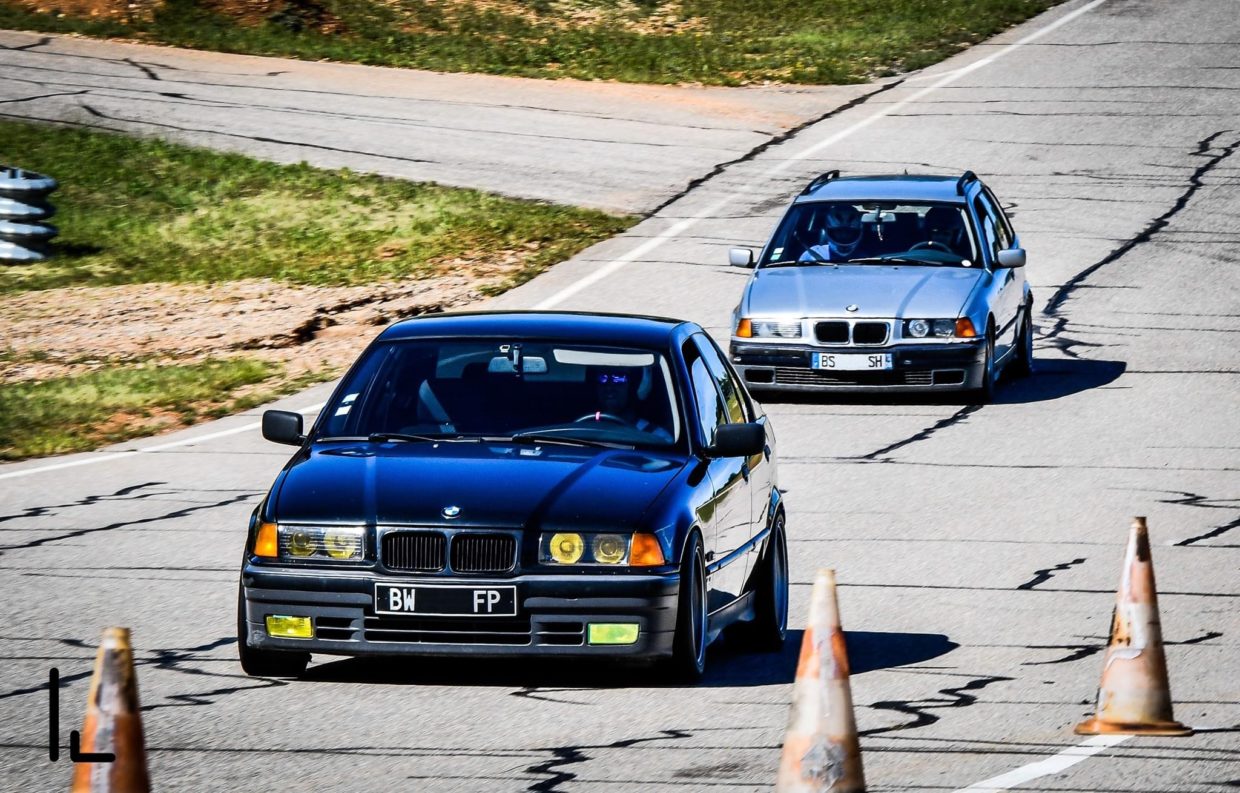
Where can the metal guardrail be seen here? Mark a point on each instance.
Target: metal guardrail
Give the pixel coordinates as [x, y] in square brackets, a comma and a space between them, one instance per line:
[25, 236]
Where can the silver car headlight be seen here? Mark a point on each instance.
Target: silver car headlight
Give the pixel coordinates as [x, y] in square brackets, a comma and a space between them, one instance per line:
[921, 328]
[768, 329]
[322, 543]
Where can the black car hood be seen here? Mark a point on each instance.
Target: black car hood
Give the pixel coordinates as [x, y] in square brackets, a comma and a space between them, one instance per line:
[493, 485]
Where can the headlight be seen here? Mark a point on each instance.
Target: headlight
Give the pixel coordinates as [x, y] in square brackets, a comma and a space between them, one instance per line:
[321, 543]
[610, 548]
[921, 328]
[566, 548]
[570, 548]
[768, 329]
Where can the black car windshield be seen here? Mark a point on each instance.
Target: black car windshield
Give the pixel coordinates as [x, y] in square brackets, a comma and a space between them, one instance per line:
[836, 232]
[424, 389]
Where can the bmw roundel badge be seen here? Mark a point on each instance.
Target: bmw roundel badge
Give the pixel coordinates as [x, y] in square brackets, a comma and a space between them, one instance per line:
[451, 512]
[852, 307]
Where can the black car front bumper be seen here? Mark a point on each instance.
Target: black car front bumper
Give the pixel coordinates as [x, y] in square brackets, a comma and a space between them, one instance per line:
[553, 612]
[915, 367]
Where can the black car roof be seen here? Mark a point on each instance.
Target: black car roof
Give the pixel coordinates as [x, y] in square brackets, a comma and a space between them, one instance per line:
[578, 326]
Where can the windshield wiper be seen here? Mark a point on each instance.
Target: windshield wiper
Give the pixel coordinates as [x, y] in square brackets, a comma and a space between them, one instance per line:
[378, 437]
[794, 263]
[890, 259]
[554, 436]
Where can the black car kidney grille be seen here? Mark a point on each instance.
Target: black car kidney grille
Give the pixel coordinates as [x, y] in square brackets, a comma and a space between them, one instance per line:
[483, 553]
[869, 333]
[831, 332]
[414, 550]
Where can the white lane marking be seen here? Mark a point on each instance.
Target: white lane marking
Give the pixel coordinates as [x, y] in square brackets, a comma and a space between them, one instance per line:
[101, 457]
[682, 226]
[1051, 765]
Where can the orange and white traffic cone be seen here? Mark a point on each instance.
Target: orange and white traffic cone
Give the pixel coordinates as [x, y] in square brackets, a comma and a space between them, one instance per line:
[821, 749]
[1134, 697]
[113, 724]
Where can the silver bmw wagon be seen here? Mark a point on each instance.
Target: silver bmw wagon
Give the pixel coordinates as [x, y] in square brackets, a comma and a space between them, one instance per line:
[886, 283]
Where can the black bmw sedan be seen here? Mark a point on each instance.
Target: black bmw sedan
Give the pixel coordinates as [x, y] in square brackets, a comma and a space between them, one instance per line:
[521, 484]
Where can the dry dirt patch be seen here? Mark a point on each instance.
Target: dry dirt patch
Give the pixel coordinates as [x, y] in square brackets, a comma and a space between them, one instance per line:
[308, 330]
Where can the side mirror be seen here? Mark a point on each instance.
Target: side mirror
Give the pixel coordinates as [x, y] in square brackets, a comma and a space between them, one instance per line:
[1012, 258]
[740, 257]
[282, 426]
[738, 440]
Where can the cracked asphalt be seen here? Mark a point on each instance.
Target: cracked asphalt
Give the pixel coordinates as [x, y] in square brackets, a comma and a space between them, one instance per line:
[978, 549]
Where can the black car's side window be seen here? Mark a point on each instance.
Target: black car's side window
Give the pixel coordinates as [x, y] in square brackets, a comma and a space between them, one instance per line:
[706, 396]
[733, 399]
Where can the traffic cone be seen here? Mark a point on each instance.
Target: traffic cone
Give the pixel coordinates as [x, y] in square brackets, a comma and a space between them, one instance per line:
[1134, 697]
[113, 724]
[821, 750]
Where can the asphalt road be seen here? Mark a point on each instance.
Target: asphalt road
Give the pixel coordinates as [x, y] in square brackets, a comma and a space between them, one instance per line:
[978, 549]
[614, 146]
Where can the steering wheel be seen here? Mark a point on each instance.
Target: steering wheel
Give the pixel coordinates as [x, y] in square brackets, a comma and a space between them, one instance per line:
[601, 417]
[932, 245]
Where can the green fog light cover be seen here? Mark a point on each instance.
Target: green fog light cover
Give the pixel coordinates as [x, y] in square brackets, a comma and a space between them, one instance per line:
[289, 627]
[613, 633]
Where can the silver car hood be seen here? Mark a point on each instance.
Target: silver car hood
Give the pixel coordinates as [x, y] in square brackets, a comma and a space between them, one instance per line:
[899, 291]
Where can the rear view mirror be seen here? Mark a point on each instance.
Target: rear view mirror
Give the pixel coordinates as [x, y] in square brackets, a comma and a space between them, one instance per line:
[740, 257]
[1012, 258]
[738, 440]
[282, 426]
[530, 364]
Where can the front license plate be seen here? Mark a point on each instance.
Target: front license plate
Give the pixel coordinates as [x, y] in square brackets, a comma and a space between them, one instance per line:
[443, 600]
[851, 363]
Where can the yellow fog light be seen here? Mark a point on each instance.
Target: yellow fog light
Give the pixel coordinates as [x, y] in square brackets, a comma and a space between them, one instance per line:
[611, 633]
[289, 627]
[343, 546]
[300, 543]
[567, 548]
[610, 549]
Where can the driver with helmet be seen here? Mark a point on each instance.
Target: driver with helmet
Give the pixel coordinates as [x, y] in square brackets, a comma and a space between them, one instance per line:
[839, 238]
[616, 392]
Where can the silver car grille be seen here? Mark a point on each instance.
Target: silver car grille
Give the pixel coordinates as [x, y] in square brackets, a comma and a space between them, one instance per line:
[859, 333]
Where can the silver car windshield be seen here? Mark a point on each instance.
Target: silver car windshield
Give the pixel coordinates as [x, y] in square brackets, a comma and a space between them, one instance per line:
[431, 389]
[867, 232]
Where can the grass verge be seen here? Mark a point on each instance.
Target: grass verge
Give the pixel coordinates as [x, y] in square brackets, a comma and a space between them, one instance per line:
[74, 414]
[714, 42]
[141, 210]
[135, 211]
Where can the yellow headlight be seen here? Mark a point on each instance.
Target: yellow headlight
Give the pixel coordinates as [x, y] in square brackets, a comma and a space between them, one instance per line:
[609, 549]
[567, 548]
[300, 543]
[343, 546]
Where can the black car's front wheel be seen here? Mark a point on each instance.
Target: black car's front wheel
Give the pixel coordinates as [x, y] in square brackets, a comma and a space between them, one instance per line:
[769, 626]
[689, 645]
[265, 663]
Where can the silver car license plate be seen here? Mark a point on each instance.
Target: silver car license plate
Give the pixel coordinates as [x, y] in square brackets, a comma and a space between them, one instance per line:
[851, 363]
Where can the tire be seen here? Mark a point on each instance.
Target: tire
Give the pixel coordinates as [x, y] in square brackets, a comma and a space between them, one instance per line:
[985, 394]
[689, 646]
[769, 627]
[1022, 366]
[265, 663]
